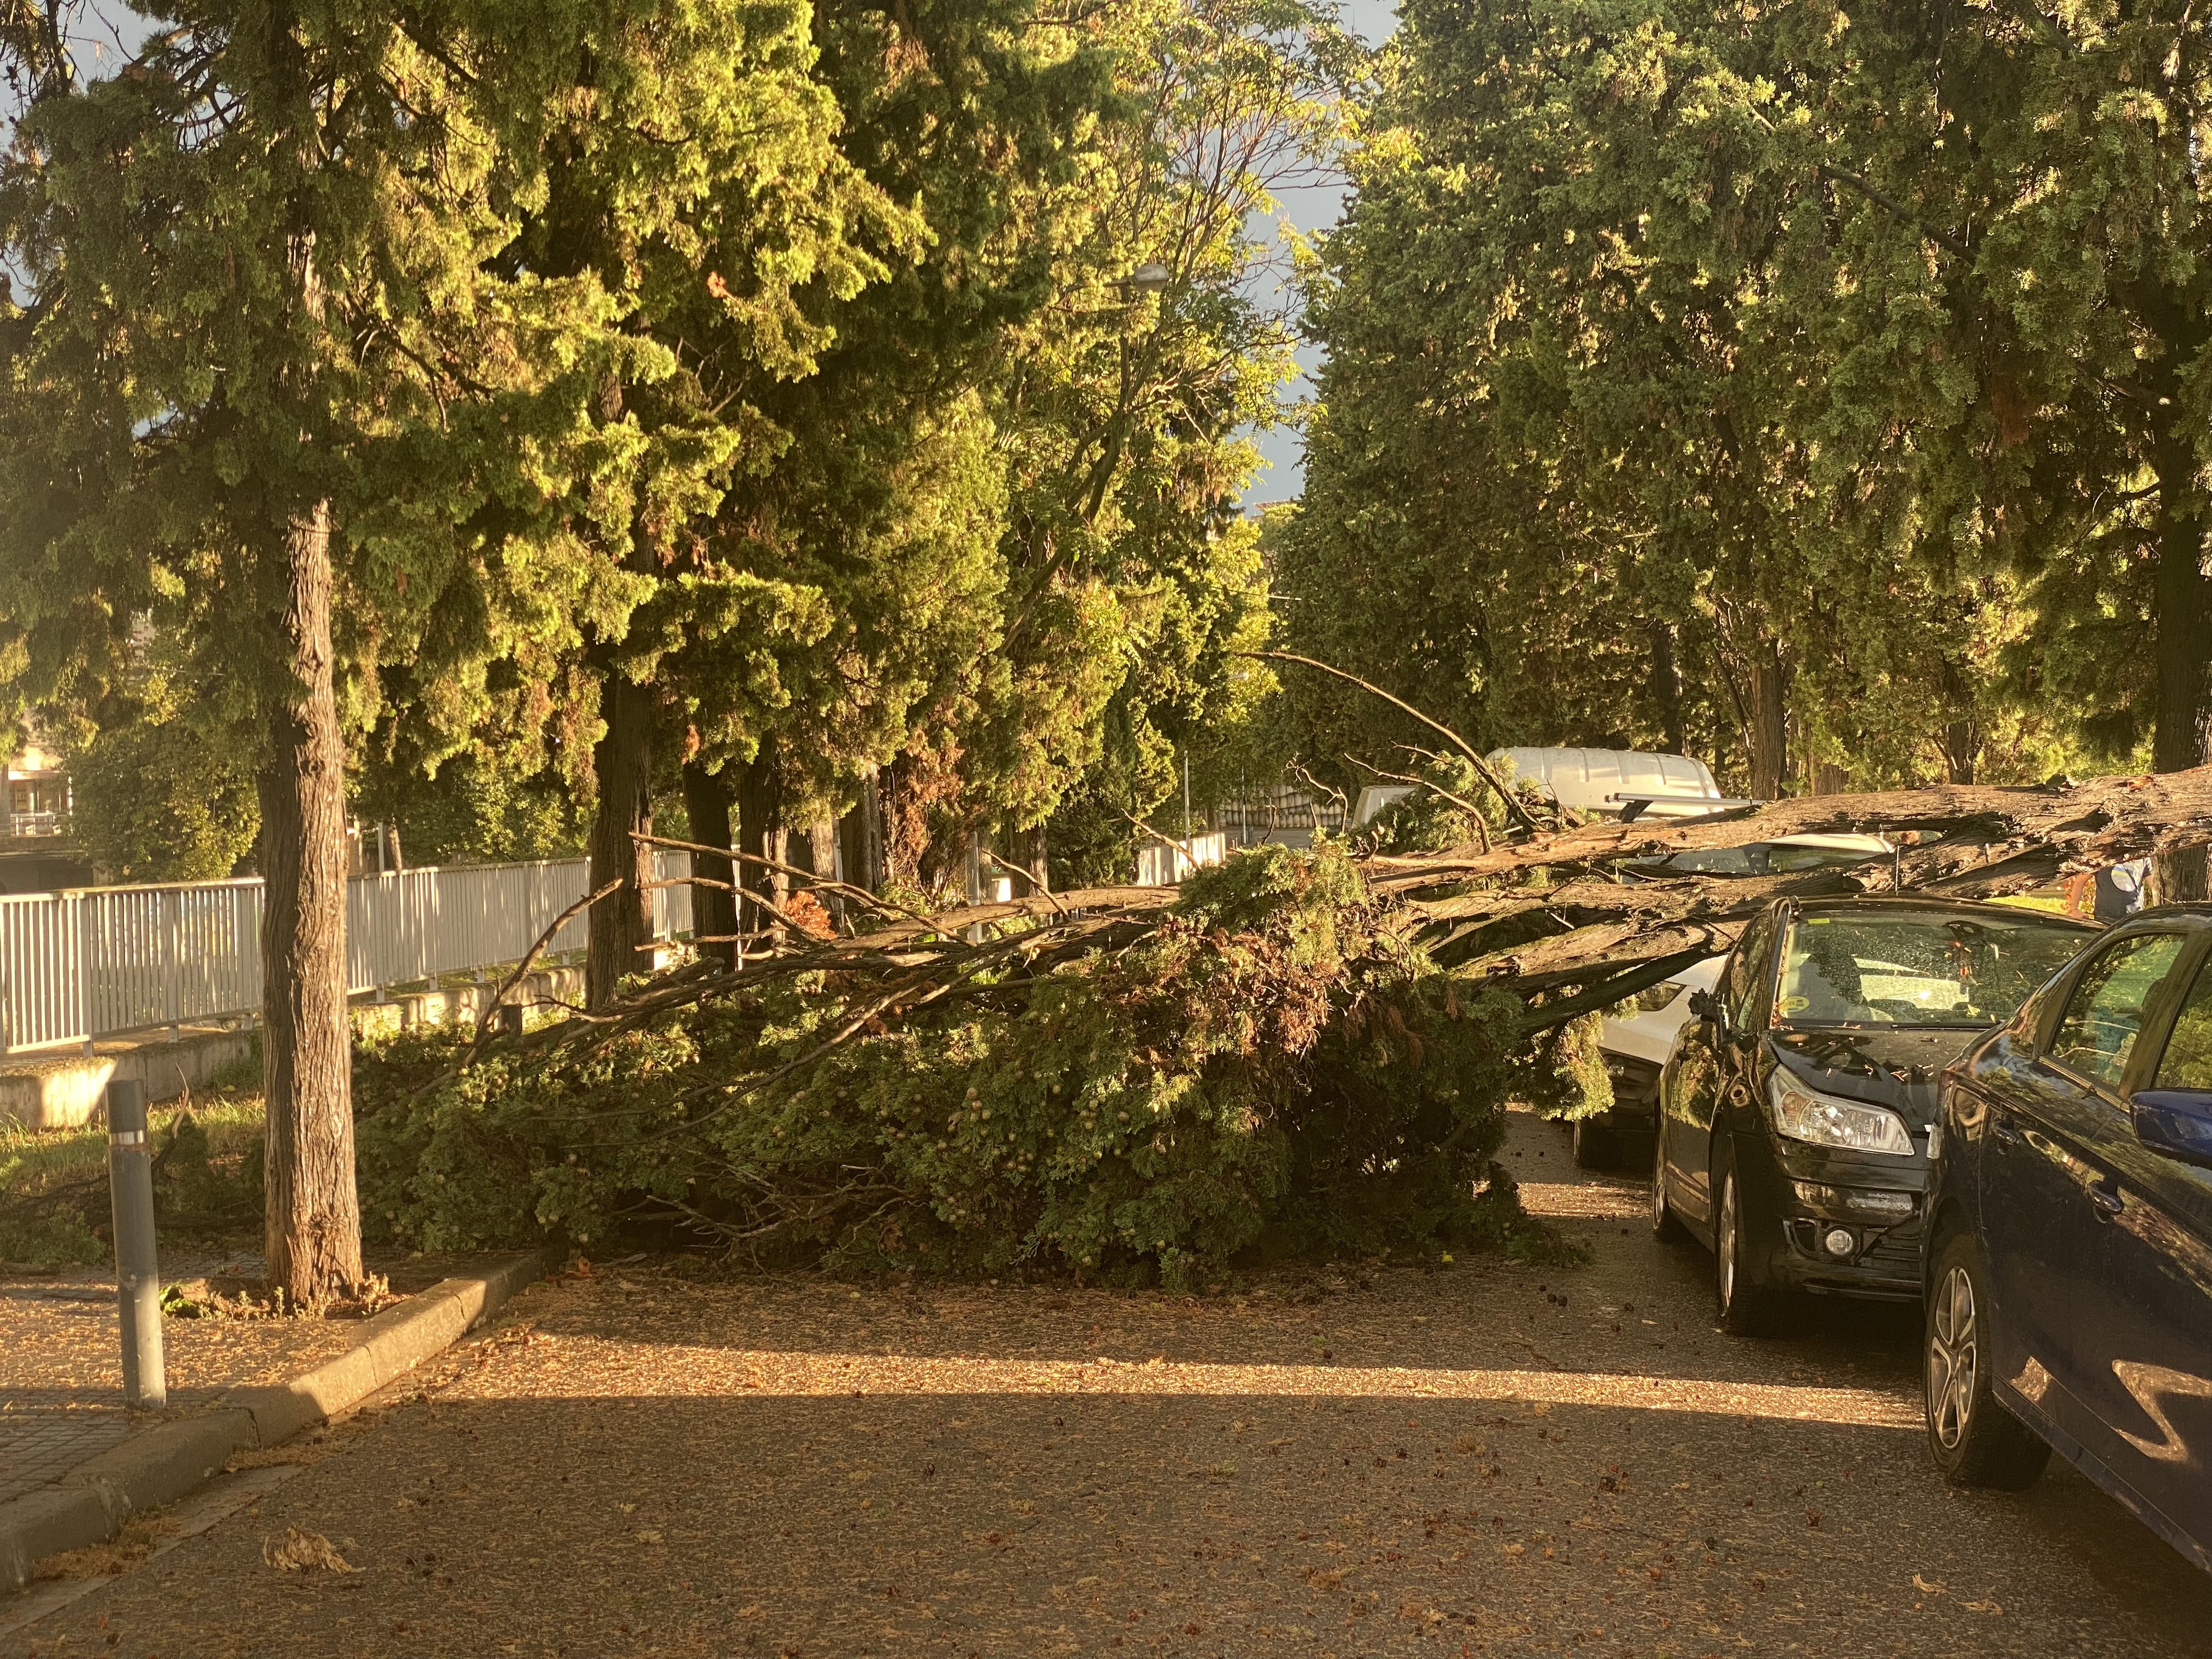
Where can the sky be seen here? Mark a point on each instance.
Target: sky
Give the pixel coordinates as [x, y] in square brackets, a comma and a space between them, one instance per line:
[1311, 208]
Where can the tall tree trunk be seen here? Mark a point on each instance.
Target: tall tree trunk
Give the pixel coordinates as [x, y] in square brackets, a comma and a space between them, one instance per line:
[312, 1220]
[761, 832]
[2182, 737]
[1664, 689]
[860, 839]
[1959, 741]
[714, 911]
[620, 925]
[1961, 744]
[1025, 851]
[821, 838]
[1769, 736]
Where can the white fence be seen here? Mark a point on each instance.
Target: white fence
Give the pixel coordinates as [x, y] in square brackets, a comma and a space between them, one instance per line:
[1159, 864]
[103, 960]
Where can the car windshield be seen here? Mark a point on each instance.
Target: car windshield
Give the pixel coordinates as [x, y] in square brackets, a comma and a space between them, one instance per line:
[1900, 967]
[1759, 858]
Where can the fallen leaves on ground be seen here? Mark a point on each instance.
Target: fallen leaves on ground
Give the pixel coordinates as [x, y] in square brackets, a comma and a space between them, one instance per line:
[121, 1552]
[305, 1551]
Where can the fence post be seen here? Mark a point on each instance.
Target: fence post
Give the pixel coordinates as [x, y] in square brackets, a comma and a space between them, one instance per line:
[78, 906]
[137, 1266]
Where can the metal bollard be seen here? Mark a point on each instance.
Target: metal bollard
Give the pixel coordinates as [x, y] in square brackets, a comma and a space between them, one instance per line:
[138, 1268]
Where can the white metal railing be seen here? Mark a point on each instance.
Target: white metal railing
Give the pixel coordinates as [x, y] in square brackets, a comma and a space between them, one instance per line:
[103, 960]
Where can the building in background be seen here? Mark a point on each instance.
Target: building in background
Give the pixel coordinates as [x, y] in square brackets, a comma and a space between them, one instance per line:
[34, 793]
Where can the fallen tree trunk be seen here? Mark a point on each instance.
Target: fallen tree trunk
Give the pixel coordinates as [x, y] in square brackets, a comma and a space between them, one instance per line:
[1590, 906]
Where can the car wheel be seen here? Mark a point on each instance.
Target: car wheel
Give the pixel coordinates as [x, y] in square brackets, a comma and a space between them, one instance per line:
[1664, 1226]
[1975, 1440]
[1594, 1145]
[1745, 1306]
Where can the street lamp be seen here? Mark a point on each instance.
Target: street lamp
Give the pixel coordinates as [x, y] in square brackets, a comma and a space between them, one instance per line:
[1147, 279]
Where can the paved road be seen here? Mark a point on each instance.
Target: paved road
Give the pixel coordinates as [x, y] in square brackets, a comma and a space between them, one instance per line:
[1491, 1459]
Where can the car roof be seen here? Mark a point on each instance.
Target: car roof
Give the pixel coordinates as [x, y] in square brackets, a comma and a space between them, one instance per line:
[2199, 913]
[1874, 902]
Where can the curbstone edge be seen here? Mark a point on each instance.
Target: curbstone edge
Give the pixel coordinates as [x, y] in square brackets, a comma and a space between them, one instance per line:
[162, 1464]
[90, 1503]
[42, 1523]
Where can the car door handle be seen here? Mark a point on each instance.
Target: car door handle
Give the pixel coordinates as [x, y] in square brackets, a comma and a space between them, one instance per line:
[2105, 1199]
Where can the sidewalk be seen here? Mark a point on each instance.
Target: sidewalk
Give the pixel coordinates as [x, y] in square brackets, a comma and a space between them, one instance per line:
[61, 1377]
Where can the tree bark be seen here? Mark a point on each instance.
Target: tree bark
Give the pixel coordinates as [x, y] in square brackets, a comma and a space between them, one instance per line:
[2182, 735]
[821, 838]
[860, 839]
[714, 911]
[1025, 851]
[1961, 744]
[1664, 689]
[1769, 736]
[761, 832]
[312, 1219]
[620, 925]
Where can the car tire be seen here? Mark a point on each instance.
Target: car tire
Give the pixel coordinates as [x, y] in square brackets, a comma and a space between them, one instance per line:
[1665, 1226]
[1975, 1440]
[1744, 1303]
[1595, 1146]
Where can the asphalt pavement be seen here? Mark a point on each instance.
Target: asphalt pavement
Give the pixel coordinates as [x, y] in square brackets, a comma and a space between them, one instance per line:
[1484, 1458]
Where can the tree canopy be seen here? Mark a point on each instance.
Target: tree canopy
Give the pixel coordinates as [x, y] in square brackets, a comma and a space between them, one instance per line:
[1810, 387]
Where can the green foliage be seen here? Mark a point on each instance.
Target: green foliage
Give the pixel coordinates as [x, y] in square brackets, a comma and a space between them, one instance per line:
[1682, 366]
[1571, 1080]
[158, 797]
[1431, 819]
[1275, 1070]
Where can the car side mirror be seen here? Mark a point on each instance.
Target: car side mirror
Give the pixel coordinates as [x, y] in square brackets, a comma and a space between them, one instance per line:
[2177, 1122]
[1704, 1006]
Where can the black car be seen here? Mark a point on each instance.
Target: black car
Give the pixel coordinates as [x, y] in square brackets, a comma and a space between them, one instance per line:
[1794, 1112]
[2070, 1281]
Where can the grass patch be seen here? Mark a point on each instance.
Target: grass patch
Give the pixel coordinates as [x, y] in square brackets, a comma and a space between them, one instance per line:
[54, 1209]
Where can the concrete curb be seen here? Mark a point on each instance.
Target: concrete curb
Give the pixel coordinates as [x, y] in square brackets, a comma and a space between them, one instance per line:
[90, 1503]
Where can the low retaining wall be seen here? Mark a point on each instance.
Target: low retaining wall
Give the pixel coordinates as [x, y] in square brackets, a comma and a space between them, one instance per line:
[56, 1090]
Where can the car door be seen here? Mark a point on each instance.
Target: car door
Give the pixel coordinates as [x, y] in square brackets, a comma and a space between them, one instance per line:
[2044, 1193]
[2155, 1254]
[1708, 1058]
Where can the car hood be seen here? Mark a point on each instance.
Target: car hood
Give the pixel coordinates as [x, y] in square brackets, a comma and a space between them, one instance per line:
[1886, 1064]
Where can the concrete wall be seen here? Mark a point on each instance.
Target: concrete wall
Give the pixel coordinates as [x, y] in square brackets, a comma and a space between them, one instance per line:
[58, 1091]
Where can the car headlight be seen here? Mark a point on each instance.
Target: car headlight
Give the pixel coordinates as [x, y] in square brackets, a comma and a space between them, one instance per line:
[1819, 1120]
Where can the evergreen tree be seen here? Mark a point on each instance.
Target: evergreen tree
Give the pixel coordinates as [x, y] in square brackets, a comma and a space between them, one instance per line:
[309, 369]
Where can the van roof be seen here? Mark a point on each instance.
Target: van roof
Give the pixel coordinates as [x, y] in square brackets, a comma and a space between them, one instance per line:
[1586, 779]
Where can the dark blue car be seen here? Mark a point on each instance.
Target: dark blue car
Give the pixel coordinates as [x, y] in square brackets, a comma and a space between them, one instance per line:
[2069, 1267]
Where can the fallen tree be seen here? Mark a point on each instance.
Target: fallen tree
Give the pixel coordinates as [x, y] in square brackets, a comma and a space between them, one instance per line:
[1294, 1054]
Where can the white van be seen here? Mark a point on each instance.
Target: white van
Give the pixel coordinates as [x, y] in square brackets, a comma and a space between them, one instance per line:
[1607, 782]
[1592, 781]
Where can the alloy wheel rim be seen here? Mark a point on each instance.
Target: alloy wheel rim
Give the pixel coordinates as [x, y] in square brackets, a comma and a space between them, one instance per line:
[1954, 1359]
[1724, 1244]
